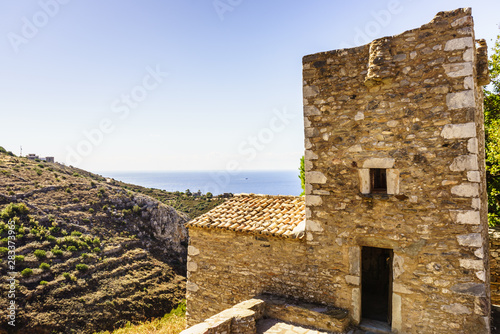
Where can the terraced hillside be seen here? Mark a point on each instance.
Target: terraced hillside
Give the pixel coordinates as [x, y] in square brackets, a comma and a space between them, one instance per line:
[90, 255]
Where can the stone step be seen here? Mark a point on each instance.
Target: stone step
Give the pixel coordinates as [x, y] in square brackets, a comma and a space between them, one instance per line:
[374, 326]
[320, 317]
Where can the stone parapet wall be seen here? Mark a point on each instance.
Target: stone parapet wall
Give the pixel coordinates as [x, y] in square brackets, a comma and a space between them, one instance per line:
[243, 317]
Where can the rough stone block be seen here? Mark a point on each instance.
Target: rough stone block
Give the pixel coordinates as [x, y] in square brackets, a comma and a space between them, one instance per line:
[379, 163]
[466, 190]
[471, 264]
[316, 177]
[455, 70]
[458, 44]
[458, 100]
[464, 130]
[202, 328]
[192, 287]
[310, 91]
[313, 226]
[456, 309]
[359, 116]
[310, 155]
[474, 176]
[354, 280]
[470, 240]
[364, 180]
[469, 83]
[465, 217]
[311, 111]
[313, 200]
[392, 176]
[192, 266]
[397, 318]
[472, 146]
[401, 288]
[193, 251]
[464, 162]
[472, 289]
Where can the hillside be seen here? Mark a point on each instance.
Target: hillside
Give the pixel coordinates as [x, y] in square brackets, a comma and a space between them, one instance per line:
[93, 255]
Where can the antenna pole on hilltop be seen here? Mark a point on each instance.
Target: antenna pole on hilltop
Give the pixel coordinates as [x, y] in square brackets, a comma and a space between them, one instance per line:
[21, 154]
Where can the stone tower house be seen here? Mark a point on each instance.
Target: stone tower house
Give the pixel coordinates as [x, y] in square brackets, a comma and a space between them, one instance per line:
[395, 173]
[394, 226]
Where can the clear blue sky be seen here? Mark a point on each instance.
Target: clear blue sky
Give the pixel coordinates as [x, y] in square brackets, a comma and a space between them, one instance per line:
[179, 84]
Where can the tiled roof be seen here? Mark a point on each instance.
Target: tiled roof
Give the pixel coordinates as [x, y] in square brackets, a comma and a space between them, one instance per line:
[282, 216]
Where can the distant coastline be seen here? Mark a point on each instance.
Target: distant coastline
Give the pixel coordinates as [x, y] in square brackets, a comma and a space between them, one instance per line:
[273, 182]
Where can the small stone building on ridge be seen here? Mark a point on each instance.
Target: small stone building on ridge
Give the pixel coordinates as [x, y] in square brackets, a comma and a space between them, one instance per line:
[394, 224]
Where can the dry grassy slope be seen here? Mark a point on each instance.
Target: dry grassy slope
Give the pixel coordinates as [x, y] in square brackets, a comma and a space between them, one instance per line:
[133, 245]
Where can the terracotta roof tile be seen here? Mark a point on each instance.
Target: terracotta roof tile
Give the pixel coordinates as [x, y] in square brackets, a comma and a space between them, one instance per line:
[281, 216]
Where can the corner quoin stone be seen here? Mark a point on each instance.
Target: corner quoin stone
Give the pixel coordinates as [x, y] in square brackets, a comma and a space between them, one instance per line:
[316, 177]
[458, 44]
[463, 99]
[465, 130]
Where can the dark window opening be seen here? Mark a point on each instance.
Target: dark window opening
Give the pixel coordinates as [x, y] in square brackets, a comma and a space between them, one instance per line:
[376, 284]
[378, 180]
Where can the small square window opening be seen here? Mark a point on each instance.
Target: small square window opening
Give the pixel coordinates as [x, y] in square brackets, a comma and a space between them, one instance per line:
[378, 180]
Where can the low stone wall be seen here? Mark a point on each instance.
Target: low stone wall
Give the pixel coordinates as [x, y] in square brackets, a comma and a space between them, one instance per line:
[226, 268]
[242, 318]
[495, 265]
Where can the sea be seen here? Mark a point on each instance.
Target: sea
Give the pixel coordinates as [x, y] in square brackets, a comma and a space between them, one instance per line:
[284, 182]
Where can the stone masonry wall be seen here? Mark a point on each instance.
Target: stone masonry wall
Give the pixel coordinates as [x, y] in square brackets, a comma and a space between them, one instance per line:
[410, 104]
[225, 268]
[495, 265]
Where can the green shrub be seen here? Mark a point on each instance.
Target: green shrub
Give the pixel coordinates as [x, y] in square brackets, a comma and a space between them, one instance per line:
[96, 250]
[3, 251]
[38, 171]
[67, 276]
[41, 166]
[14, 209]
[40, 254]
[57, 251]
[76, 233]
[91, 210]
[27, 272]
[136, 209]
[75, 200]
[82, 267]
[19, 258]
[105, 207]
[68, 190]
[51, 238]
[75, 174]
[44, 266]
[84, 255]
[72, 249]
[43, 283]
